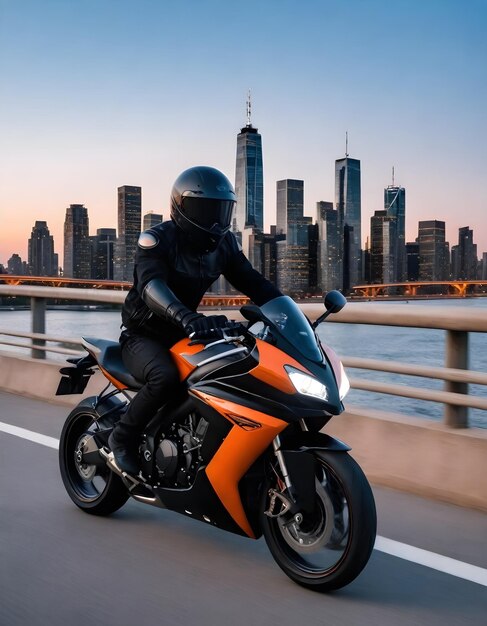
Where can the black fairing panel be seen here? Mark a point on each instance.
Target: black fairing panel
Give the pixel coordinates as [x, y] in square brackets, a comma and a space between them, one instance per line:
[227, 391]
[198, 501]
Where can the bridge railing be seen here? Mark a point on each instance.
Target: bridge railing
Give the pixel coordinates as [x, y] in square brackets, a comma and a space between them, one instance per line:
[456, 287]
[457, 323]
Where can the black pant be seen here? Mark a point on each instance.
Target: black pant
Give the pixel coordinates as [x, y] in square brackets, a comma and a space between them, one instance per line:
[149, 360]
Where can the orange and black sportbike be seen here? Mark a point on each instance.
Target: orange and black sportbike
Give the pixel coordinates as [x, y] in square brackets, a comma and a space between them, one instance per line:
[239, 444]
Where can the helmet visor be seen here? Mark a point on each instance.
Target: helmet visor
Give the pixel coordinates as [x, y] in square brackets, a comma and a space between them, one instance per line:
[206, 212]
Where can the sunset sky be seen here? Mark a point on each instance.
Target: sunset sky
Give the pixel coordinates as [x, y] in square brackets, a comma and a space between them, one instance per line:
[100, 93]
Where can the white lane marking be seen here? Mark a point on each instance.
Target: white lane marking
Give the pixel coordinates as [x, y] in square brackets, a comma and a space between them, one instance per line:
[441, 563]
[438, 562]
[44, 440]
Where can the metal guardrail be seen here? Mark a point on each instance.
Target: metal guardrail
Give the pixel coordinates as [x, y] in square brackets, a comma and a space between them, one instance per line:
[456, 322]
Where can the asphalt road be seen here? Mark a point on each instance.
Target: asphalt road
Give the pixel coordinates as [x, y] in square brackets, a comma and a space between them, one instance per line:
[146, 566]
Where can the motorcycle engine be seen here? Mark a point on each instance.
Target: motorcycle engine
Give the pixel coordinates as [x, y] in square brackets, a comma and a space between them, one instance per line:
[178, 453]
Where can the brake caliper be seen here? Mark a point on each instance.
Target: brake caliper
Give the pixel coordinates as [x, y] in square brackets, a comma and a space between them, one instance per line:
[277, 496]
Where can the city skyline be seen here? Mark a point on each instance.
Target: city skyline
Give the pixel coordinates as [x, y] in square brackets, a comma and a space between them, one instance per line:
[149, 218]
[412, 97]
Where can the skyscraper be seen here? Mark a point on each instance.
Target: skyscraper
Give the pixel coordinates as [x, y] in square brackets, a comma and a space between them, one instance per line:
[129, 224]
[434, 252]
[395, 205]
[348, 204]
[313, 241]
[102, 253]
[290, 207]
[464, 256]
[151, 219]
[249, 181]
[412, 261]
[383, 238]
[16, 266]
[41, 258]
[263, 253]
[292, 253]
[76, 242]
[329, 262]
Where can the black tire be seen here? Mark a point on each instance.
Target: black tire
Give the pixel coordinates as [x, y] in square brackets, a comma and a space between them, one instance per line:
[329, 551]
[93, 488]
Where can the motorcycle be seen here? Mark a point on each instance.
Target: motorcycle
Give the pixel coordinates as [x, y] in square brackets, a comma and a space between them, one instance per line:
[238, 445]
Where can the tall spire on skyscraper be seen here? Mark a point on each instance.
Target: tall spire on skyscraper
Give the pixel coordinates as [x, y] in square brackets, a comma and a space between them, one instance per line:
[249, 177]
[249, 109]
[346, 144]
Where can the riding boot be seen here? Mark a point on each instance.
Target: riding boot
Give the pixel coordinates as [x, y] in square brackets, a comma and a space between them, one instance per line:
[124, 443]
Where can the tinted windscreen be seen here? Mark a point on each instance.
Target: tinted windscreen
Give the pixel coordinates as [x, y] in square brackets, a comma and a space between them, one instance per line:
[289, 320]
[206, 211]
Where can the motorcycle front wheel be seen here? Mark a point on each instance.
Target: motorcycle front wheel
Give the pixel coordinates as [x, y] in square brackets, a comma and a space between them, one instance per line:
[330, 547]
[93, 488]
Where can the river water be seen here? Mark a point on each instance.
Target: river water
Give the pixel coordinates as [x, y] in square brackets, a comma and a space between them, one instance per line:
[411, 345]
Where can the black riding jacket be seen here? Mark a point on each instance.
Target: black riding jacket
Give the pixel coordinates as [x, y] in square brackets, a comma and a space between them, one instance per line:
[181, 277]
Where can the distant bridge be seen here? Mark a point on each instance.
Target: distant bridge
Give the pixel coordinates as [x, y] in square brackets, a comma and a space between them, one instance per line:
[458, 288]
[62, 281]
[87, 283]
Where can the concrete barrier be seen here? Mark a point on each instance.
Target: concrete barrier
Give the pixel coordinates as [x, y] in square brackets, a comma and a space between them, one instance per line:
[406, 453]
[35, 378]
[417, 455]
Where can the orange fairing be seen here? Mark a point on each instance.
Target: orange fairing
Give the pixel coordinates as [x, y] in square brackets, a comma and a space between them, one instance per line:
[241, 447]
[270, 369]
[179, 351]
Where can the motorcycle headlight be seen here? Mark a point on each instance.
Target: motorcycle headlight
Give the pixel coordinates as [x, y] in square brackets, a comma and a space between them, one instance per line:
[344, 383]
[307, 385]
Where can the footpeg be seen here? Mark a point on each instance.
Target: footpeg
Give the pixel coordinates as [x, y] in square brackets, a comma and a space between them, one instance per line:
[130, 480]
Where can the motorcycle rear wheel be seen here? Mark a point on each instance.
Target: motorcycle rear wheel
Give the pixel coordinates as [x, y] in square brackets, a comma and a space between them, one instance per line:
[93, 488]
[329, 549]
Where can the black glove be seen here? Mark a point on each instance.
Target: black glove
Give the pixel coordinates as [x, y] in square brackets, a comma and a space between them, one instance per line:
[205, 326]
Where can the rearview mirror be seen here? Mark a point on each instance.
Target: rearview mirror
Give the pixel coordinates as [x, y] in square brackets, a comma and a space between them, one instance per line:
[334, 301]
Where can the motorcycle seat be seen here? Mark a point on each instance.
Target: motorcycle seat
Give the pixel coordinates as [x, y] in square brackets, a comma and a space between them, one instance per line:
[108, 355]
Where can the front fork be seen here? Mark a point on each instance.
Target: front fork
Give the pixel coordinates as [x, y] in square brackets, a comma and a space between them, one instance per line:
[276, 444]
[298, 474]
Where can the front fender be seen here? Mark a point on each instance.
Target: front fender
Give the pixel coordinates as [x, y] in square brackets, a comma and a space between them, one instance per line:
[306, 441]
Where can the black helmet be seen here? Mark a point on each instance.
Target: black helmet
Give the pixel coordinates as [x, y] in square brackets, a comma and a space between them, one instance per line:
[202, 201]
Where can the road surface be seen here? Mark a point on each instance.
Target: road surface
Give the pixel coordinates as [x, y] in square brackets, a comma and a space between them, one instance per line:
[145, 566]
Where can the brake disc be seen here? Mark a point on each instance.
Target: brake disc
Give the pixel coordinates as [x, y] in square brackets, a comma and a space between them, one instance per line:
[87, 472]
[318, 533]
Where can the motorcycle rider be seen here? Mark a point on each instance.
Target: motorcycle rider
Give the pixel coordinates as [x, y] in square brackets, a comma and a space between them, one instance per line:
[175, 263]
